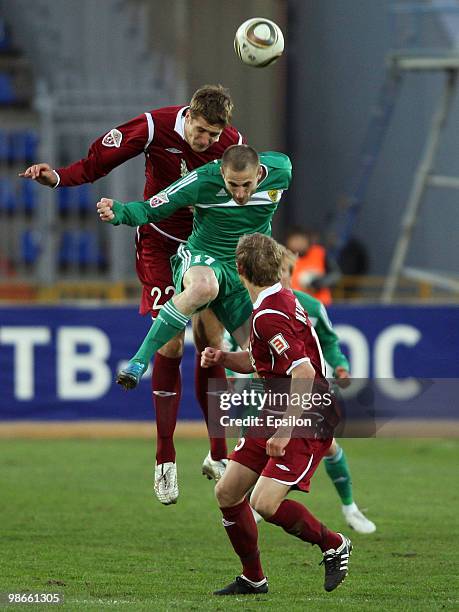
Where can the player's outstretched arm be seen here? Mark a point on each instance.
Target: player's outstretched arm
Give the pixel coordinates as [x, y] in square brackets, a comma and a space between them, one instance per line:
[42, 173]
[236, 362]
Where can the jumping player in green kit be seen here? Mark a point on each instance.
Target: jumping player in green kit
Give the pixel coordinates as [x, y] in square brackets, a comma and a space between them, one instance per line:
[236, 195]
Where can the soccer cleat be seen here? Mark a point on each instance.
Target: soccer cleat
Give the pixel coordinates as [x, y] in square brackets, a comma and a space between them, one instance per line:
[212, 468]
[336, 563]
[242, 586]
[129, 377]
[357, 520]
[166, 485]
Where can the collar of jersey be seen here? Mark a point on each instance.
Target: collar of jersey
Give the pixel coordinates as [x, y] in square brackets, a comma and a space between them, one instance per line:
[265, 293]
[180, 122]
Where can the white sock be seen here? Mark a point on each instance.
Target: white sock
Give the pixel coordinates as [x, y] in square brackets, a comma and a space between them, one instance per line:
[254, 584]
[350, 508]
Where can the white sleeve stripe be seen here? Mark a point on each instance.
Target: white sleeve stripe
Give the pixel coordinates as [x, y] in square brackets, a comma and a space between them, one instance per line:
[182, 184]
[266, 311]
[297, 362]
[151, 130]
[319, 348]
[239, 139]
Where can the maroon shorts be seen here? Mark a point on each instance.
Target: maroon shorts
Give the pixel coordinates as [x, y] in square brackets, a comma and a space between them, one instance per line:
[153, 253]
[295, 468]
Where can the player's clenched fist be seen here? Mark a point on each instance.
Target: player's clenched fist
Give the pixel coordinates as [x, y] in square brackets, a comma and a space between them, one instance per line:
[104, 209]
[42, 173]
[211, 357]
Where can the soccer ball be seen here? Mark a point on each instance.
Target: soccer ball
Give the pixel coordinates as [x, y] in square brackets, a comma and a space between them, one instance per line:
[259, 42]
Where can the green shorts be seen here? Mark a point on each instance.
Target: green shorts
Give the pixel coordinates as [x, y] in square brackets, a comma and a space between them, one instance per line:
[232, 306]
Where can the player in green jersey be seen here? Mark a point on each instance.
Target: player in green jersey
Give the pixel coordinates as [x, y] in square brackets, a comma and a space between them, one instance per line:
[232, 197]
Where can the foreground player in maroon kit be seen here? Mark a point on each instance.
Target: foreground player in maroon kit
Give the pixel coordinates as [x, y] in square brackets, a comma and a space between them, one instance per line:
[282, 344]
[174, 140]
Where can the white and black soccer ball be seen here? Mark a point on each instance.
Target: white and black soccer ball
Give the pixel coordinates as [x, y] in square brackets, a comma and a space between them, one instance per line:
[259, 42]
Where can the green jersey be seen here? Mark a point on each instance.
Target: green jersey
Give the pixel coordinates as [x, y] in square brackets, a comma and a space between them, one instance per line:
[218, 221]
[328, 339]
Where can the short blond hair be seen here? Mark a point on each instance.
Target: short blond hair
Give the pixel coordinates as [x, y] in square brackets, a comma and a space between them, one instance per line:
[213, 103]
[259, 259]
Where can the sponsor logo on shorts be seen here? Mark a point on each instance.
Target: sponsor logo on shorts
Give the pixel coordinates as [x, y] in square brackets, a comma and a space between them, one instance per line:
[279, 344]
[282, 467]
[158, 199]
[113, 139]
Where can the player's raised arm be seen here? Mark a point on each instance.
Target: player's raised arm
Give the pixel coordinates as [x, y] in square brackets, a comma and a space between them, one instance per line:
[42, 173]
[105, 153]
[183, 192]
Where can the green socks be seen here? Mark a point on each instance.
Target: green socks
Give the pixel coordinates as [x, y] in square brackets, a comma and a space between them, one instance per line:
[338, 471]
[167, 325]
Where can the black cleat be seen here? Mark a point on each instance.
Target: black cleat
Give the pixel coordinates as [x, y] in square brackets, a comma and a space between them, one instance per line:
[241, 586]
[336, 564]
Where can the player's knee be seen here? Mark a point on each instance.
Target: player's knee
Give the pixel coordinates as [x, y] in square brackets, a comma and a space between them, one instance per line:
[265, 506]
[225, 497]
[207, 289]
[174, 348]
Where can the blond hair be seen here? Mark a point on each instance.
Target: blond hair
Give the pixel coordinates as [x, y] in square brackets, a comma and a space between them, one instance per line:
[259, 259]
[213, 103]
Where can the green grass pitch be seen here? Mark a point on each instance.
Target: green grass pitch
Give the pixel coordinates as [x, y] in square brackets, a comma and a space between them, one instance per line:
[78, 517]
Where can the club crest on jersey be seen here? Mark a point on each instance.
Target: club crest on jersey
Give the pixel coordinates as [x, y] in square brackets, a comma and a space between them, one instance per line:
[183, 169]
[158, 199]
[279, 344]
[273, 195]
[113, 139]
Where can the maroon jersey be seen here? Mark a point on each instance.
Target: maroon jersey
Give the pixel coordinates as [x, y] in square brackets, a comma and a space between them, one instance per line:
[159, 135]
[282, 336]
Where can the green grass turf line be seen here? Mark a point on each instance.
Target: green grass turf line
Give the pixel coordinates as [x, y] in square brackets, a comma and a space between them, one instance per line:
[78, 517]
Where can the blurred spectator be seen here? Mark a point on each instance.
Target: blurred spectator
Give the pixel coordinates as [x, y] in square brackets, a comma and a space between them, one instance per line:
[315, 271]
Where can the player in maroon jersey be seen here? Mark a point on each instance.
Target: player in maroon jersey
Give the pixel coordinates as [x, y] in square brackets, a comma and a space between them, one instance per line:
[174, 140]
[282, 344]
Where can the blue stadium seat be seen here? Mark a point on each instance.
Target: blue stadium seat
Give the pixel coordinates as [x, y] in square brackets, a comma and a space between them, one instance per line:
[67, 249]
[30, 145]
[23, 145]
[5, 41]
[30, 247]
[28, 196]
[64, 200]
[4, 146]
[88, 249]
[8, 200]
[86, 200]
[7, 93]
